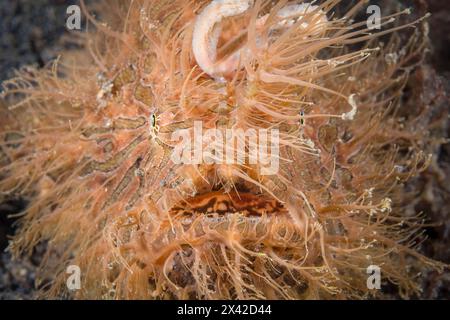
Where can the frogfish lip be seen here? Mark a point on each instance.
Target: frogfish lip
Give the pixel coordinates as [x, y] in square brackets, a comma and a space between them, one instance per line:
[220, 203]
[218, 217]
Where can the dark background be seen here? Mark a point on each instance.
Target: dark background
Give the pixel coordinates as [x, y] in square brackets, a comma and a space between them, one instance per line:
[33, 31]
